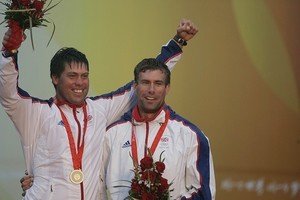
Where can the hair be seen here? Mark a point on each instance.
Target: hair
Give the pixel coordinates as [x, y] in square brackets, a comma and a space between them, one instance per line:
[65, 56]
[152, 64]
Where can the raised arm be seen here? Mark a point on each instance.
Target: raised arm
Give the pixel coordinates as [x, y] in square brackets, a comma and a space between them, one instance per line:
[22, 109]
[171, 53]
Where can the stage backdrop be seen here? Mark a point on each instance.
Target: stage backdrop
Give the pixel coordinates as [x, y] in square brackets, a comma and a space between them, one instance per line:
[238, 80]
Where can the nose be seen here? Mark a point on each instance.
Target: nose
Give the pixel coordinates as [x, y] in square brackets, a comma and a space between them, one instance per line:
[79, 81]
[151, 88]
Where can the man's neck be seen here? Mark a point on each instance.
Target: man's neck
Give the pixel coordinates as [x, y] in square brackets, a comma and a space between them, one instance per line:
[142, 116]
[60, 102]
[147, 115]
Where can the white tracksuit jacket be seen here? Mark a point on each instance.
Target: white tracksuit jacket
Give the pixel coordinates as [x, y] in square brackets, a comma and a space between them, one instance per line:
[188, 158]
[43, 136]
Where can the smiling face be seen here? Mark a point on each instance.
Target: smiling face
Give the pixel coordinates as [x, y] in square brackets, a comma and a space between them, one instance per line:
[72, 85]
[151, 89]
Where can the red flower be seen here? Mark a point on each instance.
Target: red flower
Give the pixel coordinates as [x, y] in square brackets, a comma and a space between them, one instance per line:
[24, 2]
[160, 167]
[14, 3]
[135, 187]
[146, 162]
[152, 176]
[144, 175]
[163, 185]
[38, 5]
[149, 196]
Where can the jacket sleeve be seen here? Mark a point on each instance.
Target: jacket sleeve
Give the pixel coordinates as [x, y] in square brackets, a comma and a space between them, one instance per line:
[116, 103]
[19, 106]
[200, 178]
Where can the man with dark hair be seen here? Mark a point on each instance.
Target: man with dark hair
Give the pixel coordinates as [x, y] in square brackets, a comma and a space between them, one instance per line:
[152, 127]
[62, 137]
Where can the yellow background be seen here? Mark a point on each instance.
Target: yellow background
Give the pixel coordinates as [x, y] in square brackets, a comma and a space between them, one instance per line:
[238, 80]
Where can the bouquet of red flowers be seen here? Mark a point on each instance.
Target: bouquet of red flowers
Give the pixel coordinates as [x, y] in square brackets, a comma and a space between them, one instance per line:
[25, 14]
[148, 183]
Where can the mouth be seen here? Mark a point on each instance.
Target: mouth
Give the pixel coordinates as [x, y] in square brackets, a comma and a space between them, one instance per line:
[150, 98]
[78, 91]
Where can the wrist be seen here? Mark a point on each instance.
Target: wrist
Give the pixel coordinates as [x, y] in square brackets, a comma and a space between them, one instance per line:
[179, 40]
[8, 53]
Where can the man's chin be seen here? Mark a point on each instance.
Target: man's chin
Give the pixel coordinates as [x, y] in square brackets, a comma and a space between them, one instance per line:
[152, 110]
[77, 102]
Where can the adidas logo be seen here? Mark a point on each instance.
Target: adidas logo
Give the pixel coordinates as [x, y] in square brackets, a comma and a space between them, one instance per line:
[126, 144]
[61, 123]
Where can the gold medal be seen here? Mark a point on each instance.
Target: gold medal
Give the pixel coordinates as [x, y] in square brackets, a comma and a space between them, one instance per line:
[76, 176]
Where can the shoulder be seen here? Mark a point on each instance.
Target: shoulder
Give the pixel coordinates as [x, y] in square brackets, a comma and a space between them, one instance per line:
[183, 121]
[185, 124]
[125, 120]
[118, 92]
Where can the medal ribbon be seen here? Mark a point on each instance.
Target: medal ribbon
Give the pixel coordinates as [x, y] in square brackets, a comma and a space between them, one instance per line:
[155, 141]
[76, 157]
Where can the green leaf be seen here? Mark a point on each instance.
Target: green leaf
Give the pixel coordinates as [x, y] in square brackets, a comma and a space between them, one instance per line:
[51, 34]
[30, 28]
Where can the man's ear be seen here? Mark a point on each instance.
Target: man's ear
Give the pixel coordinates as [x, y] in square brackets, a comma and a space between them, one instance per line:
[168, 88]
[134, 85]
[54, 79]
